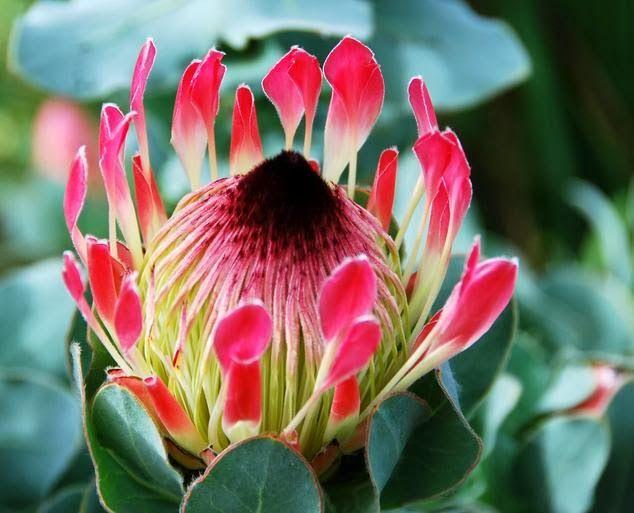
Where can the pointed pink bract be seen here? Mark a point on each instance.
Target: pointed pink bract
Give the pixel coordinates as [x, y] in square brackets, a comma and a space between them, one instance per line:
[189, 135]
[357, 99]
[381, 199]
[349, 292]
[102, 278]
[140, 75]
[480, 296]
[74, 199]
[243, 335]
[128, 318]
[355, 351]
[72, 277]
[293, 86]
[421, 104]
[246, 147]
[205, 87]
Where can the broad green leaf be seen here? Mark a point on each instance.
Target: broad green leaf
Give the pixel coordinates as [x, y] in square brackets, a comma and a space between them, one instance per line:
[87, 48]
[133, 471]
[34, 317]
[589, 319]
[560, 465]
[607, 226]
[495, 409]
[258, 475]
[414, 453]
[465, 58]
[40, 432]
[66, 500]
[615, 493]
[571, 385]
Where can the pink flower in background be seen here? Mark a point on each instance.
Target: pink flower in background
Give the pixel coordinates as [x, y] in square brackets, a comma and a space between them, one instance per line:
[60, 127]
[271, 299]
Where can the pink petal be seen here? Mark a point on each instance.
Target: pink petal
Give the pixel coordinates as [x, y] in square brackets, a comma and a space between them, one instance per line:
[112, 134]
[458, 183]
[128, 318]
[346, 401]
[355, 351]
[349, 292]
[246, 147]
[357, 99]
[293, 86]
[189, 135]
[381, 199]
[205, 87]
[434, 152]
[74, 199]
[173, 416]
[243, 335]
[138, 388]
[149, 203]
[607, 384]
[243, 400]
[140, 75]
[439, 220]
[72, 277]
[483, 292]
[102, 278]
[422, 106]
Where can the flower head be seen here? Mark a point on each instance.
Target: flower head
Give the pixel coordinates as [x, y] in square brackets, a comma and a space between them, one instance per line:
[270, 300]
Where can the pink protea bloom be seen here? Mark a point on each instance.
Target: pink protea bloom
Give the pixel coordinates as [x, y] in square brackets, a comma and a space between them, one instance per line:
[270, 300]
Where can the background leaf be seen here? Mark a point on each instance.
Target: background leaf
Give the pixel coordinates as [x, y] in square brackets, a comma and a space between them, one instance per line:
[258, 475]
[40, 433]
[561, 463]
[100, 35]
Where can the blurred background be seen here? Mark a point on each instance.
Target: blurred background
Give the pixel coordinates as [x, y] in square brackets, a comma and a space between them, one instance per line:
[541, 94]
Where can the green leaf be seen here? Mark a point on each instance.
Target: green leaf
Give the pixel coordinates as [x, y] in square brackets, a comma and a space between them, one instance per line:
[445, 41]
[415, 453]
[607, 226]
[351, 491]
[615, 493]
[87, 48]
[561, 463]
[40, 432]
[258, 475]
[571, 385]
[33, 318]
[133, 471]
[66, 500]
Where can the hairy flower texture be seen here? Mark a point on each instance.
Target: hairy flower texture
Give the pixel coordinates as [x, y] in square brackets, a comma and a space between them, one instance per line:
[271, 301]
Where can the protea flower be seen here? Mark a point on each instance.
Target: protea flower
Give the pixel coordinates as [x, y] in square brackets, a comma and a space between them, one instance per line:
[270, 301]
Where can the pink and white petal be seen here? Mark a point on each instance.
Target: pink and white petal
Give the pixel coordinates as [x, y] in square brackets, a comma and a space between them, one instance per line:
[439, 221]
[306, 74]
[434, 152]
[281, 90]
[246, 147]
[344, 412]
[357, 100]
[205, 87]
[189, 134]
[243, 335]
[128, 317]
[72, 277]
[102, 278]
[140, 75]
[112, 133]
[477, 300]
[74, 199]
[381, 199]
[355, 351]
[349, 292]
[242, 410]
[173, 416]
[148, 199]
[422, 106]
